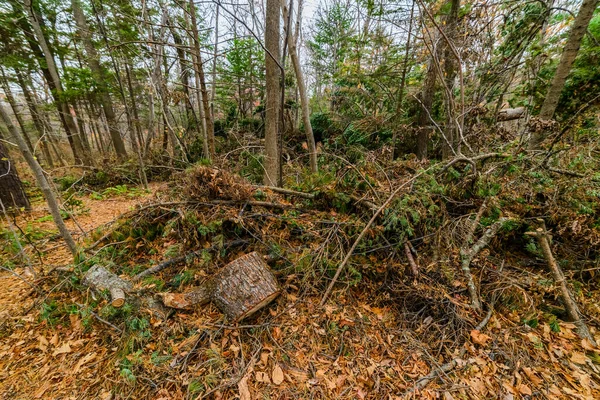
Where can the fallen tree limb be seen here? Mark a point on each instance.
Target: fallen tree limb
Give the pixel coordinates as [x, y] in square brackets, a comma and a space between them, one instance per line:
[364, 232]
[411, 261]
[99, 278]
[449, 366]
[542, 236]
[467, 255]
[184, 257]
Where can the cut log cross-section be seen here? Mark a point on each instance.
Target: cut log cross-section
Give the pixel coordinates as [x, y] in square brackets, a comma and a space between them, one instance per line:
[239, 289]
[99, 278]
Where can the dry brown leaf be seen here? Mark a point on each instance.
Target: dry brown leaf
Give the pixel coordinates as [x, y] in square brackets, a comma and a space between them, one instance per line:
[243, 389]
[480, 338]
[277, 375]
[262, 377]
[65, 348]
[587, 345]
[578, 357]
[524, 389]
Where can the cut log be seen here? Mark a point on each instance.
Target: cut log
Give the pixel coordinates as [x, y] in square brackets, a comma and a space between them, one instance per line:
[239, 289]
[509, 114]
[99, 278]
[244, 286]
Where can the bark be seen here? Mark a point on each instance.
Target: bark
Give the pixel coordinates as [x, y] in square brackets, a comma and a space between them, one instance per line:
[213, 89]
[450, 67]
[42, 182]
[35, 116]
[13, 105]
[570, 304]
[136, 143]
[239, 289]
[582, 20]
[424, 118]
[199, 69]
[310, 138]
[99, 278]
[33, 30]
[184, 77]
[272, 103]
[467, 255]
[405, 69]
[12, 193]
[509, 114]
[93, 61]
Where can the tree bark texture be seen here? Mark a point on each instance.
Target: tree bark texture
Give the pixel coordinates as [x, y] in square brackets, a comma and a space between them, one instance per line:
[582, 20]
[239, 289]
[12, 193]
[99, 278]
[272, 104]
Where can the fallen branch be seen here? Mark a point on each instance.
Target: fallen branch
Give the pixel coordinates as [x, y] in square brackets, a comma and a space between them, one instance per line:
[542, 236]
[100, 279]
[183, 258]
[467, 256]
[411, 261]
[364, 232]
[449, 366]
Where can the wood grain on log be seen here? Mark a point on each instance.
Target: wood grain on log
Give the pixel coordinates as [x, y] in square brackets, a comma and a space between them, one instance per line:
[99, 278]
[244, 286]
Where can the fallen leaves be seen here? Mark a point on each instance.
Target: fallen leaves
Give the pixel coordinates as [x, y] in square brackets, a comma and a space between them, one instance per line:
[277, 375]
[480, 338]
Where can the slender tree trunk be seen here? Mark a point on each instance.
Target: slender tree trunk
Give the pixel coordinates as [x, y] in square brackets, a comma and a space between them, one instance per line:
[199, 69]
[403, 79]
[449, 145]
[580, 25]
[213, 89]
[41, 48]
[136, 121]
[13, 105]
[310, 138]
[35, 116]
[93, 61]
[42, 182]
[424, 118]
[184, 76]
[272, 104]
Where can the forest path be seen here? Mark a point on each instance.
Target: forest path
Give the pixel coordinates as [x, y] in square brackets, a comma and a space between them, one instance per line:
[34, 357]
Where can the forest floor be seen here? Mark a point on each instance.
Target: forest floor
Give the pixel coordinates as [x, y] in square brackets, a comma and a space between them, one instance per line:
[354, 347]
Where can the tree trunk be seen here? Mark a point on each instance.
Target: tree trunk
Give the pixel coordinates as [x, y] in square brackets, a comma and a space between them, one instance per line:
[199, 69]
[310, 138]
[42, 182]
[35, 116]
[93, 61]
[184, 76]
[13, 105]
[451, 131]
[41, 49]
[12, 193]
[586, 12]
[272, 105]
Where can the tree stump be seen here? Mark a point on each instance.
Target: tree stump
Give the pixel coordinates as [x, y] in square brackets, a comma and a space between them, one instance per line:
[12, 194]
[239, 289]
[99, 278]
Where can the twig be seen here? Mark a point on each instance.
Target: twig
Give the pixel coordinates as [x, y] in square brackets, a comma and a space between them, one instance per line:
[99, 318]
[411, 261]
[182, 258]
[449, 366]
[541, 234]
[467, 256]
[364, 232]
